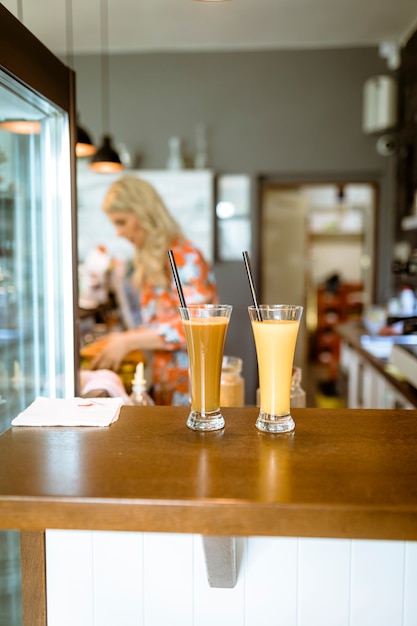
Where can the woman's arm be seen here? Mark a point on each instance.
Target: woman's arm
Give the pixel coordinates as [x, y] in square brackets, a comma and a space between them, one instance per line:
[118, 345]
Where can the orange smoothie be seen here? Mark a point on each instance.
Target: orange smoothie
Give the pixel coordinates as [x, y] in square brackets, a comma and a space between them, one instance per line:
[275, 345]
[205, 344]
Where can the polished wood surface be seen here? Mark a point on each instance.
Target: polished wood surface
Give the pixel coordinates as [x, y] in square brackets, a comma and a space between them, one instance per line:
[342, 473]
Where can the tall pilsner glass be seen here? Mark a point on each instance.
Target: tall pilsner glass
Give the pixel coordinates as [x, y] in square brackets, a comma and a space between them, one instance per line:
[205, 328]
[275, 335]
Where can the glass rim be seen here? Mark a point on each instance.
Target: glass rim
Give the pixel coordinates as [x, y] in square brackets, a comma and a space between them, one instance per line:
[205, 307]
[280, 307]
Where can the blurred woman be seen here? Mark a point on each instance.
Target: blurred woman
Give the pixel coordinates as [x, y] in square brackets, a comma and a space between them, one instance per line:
[140, 216]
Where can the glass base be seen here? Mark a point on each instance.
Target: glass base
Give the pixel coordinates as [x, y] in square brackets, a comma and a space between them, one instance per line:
[274, 423]
[211, 420]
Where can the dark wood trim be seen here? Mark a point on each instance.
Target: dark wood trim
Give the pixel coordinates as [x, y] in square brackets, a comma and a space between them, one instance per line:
[27, 59]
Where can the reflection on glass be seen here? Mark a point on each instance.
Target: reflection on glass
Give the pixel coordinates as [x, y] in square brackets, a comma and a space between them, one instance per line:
[274, 466]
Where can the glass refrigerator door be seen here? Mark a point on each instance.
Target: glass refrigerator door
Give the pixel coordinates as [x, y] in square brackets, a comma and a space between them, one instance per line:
[36, 262]
[37, 234]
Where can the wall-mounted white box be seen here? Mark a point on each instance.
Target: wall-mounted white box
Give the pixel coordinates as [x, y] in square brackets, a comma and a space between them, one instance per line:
[379, 104]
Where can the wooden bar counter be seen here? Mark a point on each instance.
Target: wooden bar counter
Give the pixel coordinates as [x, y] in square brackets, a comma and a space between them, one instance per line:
[341, 474]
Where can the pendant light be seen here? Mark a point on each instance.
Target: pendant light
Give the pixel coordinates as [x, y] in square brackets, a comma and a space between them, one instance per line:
[84, 146]
[106, 159]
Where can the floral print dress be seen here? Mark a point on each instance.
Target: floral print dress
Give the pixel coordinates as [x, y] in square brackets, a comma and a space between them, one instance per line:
[159, 306]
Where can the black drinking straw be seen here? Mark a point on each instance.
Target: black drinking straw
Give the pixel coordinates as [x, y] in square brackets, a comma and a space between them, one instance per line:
[177, 279]
[252, 285]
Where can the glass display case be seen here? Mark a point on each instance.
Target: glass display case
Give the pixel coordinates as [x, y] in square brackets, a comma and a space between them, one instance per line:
[38, 343]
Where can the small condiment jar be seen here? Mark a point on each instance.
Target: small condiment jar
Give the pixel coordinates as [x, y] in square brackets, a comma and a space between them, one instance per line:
[140, 396]
[232, 384]
[298, 395]
[407, 300]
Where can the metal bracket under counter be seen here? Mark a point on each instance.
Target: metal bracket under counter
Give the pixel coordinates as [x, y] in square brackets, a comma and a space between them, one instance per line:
[220, 557]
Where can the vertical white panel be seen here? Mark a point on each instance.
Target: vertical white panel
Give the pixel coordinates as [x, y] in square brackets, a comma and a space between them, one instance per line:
[168, 583]
[377, 583]
[323, 582]
[219, 607]
[380, 391]
[69, 578]
[271, 586]
[369, 387]
[410, 584]
[353, 380]
[118, 578]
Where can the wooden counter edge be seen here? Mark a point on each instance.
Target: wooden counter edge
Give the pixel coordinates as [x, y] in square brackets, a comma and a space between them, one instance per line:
[217, 519]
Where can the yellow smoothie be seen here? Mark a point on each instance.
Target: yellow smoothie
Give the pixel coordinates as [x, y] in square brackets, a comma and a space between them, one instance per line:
[205, 344]
[275, 345]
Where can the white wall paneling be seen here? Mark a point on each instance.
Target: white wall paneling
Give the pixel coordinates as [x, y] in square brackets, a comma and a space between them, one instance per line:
[271, 581]
[377, 583]
[70, 580]
[116, 603]
[148, 579]
[410, 578]
[169, 580]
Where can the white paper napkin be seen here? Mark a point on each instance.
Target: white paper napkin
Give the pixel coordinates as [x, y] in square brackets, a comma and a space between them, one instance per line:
[70, 412]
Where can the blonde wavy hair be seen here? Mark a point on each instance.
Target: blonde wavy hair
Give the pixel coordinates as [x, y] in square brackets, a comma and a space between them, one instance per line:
[161, 231]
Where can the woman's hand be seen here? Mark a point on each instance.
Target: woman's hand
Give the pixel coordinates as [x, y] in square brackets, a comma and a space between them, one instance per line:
[112, 355]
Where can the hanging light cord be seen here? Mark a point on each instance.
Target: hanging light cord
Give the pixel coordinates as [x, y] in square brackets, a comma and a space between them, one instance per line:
[105, 91]
[106, 158]
[20, 10]
[70, 34]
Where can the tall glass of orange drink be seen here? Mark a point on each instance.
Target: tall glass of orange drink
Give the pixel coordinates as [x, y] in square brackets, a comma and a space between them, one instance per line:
[275, 330]
[205, 327]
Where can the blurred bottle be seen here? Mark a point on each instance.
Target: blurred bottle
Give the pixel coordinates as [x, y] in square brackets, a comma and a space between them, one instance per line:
[232, 385]
[407, 300]
[139, 395]
[298, 395]
[94, 278]
[175, 159]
